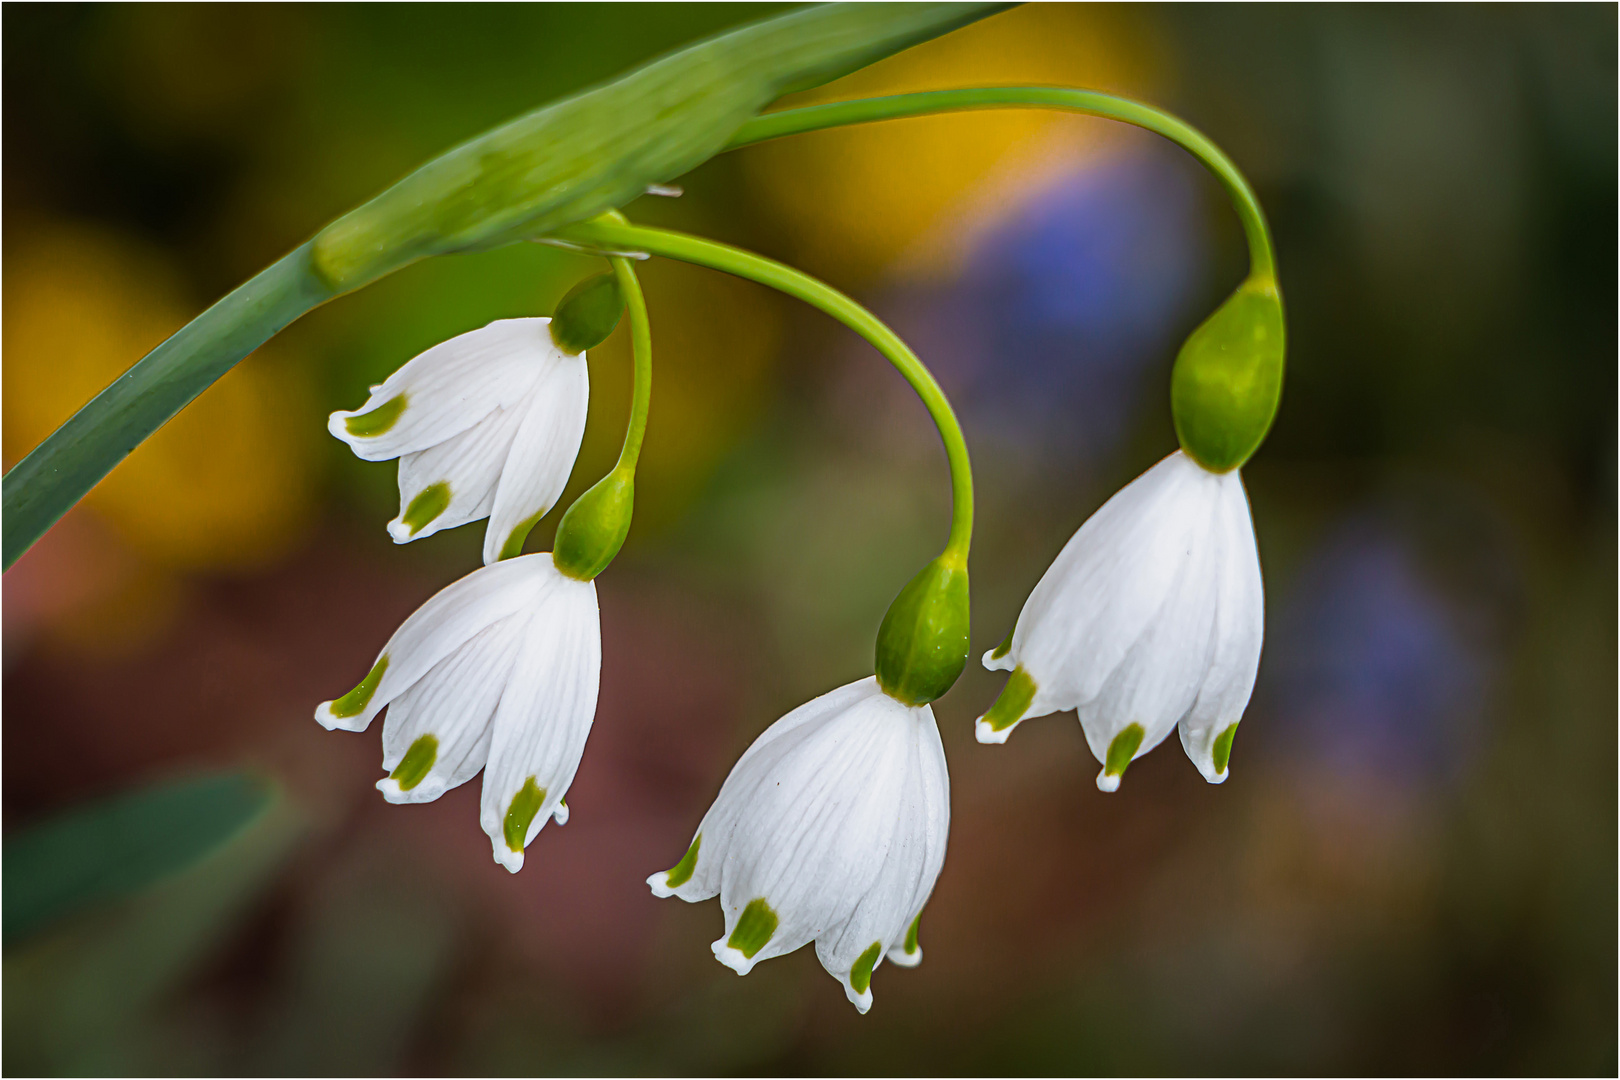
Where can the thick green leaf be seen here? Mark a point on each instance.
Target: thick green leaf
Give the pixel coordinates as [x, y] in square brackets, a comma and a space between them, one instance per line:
[115, 847]
[557, 165]
[601, 148]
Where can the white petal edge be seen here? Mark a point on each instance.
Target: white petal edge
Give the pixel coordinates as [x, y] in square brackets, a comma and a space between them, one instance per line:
[453, 386]
[449, 618]
[546, 712]
[543, 452]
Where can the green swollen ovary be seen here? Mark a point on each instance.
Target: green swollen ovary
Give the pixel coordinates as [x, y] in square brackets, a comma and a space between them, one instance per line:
[1123, 749]
[754, 929]
[587, 314]
[520, 814]
[860, 976]
[1227, 380]
[417, 763]
[356, 700]
[429, 503]
[378, 420]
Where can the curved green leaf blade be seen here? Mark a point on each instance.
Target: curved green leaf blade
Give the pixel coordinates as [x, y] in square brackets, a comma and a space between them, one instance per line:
[114, 847]
[557, 165]
[601, 148]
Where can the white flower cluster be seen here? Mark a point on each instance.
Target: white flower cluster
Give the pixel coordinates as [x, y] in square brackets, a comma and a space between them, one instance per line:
[832, 827]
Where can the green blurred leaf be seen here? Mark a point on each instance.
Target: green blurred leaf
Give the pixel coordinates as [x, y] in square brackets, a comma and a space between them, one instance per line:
[115, 847]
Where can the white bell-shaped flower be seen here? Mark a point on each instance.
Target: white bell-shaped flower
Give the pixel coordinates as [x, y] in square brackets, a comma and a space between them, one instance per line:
[1150, 618]
[831, 828]
[487, 424]
[498, 671]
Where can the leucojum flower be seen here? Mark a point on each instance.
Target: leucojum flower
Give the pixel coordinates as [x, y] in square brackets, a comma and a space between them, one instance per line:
[1151, 618]
[498, 671]
[831, 828]
[487, 424]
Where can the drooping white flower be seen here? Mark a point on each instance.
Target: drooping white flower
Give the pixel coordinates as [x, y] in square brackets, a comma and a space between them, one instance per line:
[831, 828]
[486, 424]
[1150, 618]
[498, 671]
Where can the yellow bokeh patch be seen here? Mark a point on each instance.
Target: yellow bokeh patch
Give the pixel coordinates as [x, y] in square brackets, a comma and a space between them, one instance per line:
[226, 483]
[900, 196]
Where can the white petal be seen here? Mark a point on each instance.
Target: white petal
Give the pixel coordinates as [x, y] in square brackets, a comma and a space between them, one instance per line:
[1110, 581]
[1111, 626]
[468, 464]
[1239, 631]
[436, 629]
[453, 386]
[717, 825]
[543, 453]
[453, 704]
[546, 711]
[1157, 680]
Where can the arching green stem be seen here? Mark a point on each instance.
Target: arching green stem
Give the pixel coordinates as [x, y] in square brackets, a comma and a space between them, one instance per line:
[775, 125]
[619, 236]
[641, 354]
[594, 528]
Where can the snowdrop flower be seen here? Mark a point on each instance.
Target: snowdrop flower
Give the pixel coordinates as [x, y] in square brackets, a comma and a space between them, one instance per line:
[498, 671]
[1149, 619]
[831, 828]
[487, 424]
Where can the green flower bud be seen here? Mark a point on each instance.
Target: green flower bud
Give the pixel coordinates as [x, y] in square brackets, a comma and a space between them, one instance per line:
[1228, 378]
[922, 645]
[591, 533]
[588, 314]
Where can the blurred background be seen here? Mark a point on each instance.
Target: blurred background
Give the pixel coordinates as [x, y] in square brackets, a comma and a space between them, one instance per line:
[1413, 866]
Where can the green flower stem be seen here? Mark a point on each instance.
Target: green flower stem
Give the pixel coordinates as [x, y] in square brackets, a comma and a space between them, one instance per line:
[605, 233]
[59, 471]
[775, 125]
[641, 352]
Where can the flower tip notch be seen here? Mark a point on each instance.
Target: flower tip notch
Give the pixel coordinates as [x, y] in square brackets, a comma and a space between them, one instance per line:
[997, 659]
[1010, 708]
[1107, 781]
[988, 735]
[732, 958]
[328, 720]
[512, 860]
[901, 958]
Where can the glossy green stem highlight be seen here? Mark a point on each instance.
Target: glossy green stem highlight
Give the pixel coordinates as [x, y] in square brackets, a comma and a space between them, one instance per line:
[641, 356]
[775, 125]
[617, 236]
